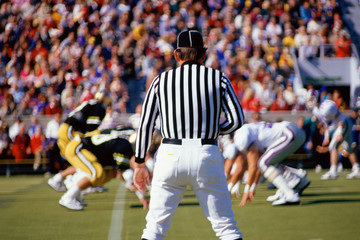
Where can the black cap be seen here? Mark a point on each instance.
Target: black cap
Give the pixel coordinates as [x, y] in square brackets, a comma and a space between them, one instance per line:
[190, 39]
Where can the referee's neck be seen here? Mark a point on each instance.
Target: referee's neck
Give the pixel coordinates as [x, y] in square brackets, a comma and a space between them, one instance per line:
[181, 62]
[189, 62]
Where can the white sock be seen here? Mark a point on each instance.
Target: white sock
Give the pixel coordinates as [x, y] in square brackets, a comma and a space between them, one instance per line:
[293, 170]
[229, 186]
[73, 192]
[281, 184]
[293, 180]
[355, 167]
[236, 188]
[333, 168]
[57, 177]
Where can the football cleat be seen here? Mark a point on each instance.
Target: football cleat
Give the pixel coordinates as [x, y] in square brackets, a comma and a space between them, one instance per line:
[293, 199]
[329, 175]
[99, 189]
[71, 204]
[81, 201]
[275, 197]
[339, 168]
[94, 189]
[353, 174]
[304, 183]
[318, 168]
[57, 186]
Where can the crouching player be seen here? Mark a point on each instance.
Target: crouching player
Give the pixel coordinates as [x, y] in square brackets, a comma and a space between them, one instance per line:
[85, 118]
[266, 145]
[97, 160]
[338, 133]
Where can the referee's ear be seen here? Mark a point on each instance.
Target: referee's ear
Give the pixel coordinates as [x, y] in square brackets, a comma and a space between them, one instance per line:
[176, 56]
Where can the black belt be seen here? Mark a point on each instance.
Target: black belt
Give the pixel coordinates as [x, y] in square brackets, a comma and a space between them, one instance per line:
[179, 141]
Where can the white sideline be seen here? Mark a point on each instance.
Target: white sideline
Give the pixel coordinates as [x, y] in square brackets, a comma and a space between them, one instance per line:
[117, 214]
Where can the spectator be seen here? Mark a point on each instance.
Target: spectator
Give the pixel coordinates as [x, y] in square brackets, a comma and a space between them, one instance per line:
[68, 92]
[37, 142]
[8, 105]
[280, 104]
[289, 95]
[259, 33]
[52, 150]
[250, 103]
[33, 125]
[338, 99]
[307, 51]
[86, 94]
[53, 107]
[119, 95]
[343, 45]
[256, 61]
[288, 40]
[268, 95]
[301, 38]
[134, 119]
[305, 12]
[5, 141]
[21, 146]
[273, 30]
[15, 127]
[41, 104]
[313, 25]
[311, 98]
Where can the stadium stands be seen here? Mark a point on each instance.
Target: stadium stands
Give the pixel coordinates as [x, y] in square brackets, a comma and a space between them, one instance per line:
[55, 54]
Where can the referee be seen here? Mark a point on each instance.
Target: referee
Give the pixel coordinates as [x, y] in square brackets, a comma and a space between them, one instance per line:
[189, 101]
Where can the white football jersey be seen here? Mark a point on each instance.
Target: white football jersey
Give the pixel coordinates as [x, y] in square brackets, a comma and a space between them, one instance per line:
[245, 136]
[262, 133]
[268, 133]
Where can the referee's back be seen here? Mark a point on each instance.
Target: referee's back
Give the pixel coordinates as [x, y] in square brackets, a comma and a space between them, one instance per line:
[190, 101]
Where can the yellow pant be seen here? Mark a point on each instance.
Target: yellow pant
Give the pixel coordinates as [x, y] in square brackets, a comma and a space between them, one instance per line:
[87, 162]
[66, 134]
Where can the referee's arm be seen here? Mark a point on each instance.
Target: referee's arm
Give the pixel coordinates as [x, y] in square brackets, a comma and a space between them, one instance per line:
[234, 116]
[147, 123]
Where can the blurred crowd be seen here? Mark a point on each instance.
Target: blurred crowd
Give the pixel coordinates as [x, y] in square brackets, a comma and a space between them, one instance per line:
[35, 141]
[55, 54]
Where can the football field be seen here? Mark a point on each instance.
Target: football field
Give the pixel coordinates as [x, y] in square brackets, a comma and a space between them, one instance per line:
[29, 209]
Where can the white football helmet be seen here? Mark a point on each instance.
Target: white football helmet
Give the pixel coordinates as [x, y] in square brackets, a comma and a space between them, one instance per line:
[326, 112]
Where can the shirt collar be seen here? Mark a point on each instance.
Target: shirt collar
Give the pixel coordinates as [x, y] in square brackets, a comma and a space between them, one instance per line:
[189, 62]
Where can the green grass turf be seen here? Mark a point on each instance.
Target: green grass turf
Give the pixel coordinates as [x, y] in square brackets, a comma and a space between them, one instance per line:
[29, 209]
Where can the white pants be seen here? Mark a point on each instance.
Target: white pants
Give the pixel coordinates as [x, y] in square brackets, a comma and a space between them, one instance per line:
[201, 167]
[292, 138]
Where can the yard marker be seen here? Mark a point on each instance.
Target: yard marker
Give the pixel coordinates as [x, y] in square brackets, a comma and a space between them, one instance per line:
[117, 214]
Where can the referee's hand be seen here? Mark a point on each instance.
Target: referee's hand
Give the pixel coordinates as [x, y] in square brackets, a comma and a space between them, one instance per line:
[141, 177]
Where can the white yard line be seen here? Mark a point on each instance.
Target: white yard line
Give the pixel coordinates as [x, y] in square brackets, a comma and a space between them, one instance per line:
[118, 214]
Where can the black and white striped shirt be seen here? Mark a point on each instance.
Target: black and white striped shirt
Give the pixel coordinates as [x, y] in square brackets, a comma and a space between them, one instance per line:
[189, 101]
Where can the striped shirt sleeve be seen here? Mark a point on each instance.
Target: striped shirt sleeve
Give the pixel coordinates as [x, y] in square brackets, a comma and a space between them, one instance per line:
[149, 114]
[234, 116]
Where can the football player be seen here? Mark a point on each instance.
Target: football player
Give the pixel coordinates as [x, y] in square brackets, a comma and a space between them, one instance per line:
[265, 145]
[83, 119]
[338, 133]
[97, 159]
